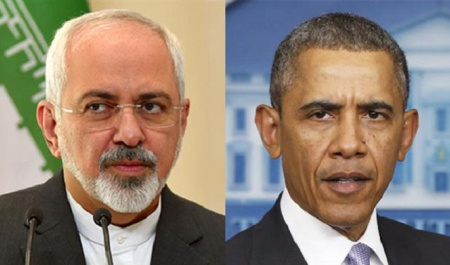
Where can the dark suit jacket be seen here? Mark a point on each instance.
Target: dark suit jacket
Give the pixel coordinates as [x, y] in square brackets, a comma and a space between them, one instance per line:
[269, 242]
[186, 233]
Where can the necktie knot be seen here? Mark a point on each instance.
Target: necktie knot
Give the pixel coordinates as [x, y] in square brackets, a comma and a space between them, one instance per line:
[359, 255]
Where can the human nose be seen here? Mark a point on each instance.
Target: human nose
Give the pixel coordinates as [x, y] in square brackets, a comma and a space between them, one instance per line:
[128, 130]
[349, 139]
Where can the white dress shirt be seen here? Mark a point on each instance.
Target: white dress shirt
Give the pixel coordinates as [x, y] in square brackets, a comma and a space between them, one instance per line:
[130, 245]
[322, 245]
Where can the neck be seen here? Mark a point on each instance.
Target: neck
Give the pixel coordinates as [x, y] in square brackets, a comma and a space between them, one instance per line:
[354, 233]
[126, 219]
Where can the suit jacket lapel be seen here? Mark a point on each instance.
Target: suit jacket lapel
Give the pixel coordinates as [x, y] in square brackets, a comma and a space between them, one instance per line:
[56, 240]
[272, 233]
[177, 234]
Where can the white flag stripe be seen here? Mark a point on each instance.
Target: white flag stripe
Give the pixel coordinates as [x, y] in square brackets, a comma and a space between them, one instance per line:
[18, 153]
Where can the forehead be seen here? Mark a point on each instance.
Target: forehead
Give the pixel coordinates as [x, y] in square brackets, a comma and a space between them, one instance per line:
[344, 75]
[125, 57]
[112, 28]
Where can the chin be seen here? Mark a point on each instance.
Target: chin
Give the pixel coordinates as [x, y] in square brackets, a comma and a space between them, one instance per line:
[346, 217]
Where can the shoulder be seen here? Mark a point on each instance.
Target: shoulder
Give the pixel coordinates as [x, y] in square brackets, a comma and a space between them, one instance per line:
[208, 219]
[186, 218]
[18, 202]
[400, 238]
[13, 207]
[264, 238]
[389, 226]
[267, 242]
[185, 224]
[238, 248]
[15, 204]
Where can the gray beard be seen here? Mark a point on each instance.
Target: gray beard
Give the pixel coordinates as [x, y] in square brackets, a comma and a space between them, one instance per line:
[123, 195]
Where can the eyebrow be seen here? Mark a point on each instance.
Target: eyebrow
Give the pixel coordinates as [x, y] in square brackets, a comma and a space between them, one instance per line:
[97, 93]
[330, 106]
[152, 95]
[376, 105]
[321, 104]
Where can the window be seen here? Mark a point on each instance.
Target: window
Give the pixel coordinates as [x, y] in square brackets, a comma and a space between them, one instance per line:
[441, 181]
[399, 174]
[441, 120]
[274, 171]
[240, 163]
[273, 180]
[403, 171]
[240, 120]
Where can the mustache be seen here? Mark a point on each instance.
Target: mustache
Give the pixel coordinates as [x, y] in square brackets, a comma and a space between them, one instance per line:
[138, 153]
[351, 170]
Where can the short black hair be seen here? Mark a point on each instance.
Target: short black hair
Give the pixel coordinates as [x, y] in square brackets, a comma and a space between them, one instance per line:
[334, 31]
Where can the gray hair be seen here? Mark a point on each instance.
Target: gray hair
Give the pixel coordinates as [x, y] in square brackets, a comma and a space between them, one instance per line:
[334, 31]
[56, 65]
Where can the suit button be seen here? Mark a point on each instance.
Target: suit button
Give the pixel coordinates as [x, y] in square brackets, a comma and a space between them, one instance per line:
[121, 239]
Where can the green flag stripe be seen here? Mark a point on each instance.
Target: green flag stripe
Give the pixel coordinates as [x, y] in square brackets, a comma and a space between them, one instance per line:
[26, 28]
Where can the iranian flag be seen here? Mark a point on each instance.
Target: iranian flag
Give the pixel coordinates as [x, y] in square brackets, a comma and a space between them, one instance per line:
[26, 30]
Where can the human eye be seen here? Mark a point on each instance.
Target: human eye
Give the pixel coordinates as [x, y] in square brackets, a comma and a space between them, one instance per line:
[98, 108]
[375, 115]
[151, 107]
[320, 115]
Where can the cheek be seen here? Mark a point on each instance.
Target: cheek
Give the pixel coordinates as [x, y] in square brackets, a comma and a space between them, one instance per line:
[384, 151]
[163, 145]
[310, 147]
[302, 152]
[86, 147]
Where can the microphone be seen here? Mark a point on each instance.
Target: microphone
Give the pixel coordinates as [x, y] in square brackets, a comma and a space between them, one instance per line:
[33, 218]
[102, 217]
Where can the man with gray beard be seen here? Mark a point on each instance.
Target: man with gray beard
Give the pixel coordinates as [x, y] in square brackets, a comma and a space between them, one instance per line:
[115, 113]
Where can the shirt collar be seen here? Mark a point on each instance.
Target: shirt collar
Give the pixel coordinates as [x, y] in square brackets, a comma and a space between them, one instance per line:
[321, 244]
[121, 237]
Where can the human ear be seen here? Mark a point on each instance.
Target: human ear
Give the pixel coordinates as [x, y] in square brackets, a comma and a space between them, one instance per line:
[46, 119]
[267, 120]
[185, 114]
[409, 130]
